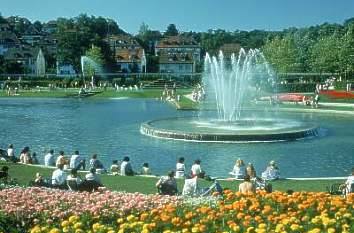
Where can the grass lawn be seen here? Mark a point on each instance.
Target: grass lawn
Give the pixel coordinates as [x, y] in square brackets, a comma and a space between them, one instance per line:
[24, 174]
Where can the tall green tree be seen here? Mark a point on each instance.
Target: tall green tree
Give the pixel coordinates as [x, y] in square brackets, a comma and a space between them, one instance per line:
[171, 30]
[325, 55]
[283, 54]
[94, 62]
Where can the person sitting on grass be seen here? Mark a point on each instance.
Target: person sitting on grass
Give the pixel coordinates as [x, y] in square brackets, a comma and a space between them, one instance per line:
[251, 171]
[239, 170]
[61, 160]
[145, 170]
[348, 186]
[59, 177]
[167, 185]
[196, 168]
[25, 156]
[180, 168]
[34, 158]
[92, 176]
[126, 168]
[115, 167]
[271, 172]
[247, 186]
[49, 158]
[95, 163]
[76, 161]
[73, 180]
[11, 153]
[39, 180]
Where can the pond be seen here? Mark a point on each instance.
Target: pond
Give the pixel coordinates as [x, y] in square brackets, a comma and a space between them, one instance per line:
[111, 127]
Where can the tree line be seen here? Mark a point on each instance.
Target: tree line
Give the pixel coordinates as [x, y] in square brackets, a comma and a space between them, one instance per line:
[320, 48]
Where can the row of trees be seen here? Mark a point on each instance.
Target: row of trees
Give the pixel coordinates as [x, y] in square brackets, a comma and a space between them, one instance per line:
[325, 48]
[321, 48]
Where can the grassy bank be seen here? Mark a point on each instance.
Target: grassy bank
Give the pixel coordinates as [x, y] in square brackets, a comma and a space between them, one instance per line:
[24, 174]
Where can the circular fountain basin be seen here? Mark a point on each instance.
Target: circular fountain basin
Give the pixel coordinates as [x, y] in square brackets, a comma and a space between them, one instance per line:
[244, 130]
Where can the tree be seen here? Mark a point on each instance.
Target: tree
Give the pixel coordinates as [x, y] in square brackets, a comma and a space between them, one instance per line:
[347, 50]
[94, 61]
[283, 54]
[325, 55]
[171, 30]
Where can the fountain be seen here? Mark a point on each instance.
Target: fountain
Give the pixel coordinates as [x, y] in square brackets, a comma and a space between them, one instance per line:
[40, 64]
[223, 116]
[89, 67]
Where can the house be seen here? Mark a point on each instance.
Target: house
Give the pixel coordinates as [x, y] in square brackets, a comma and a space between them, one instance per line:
[50, 27]
[128, 54]
[178, 54]
[8, 40]
[23, 54]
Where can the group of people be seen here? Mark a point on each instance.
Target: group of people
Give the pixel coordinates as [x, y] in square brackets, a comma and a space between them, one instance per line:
[250, 180]
[66, 173]
[240, 171]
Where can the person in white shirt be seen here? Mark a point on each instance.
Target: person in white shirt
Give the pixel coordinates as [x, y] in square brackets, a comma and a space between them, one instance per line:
[49, 158]
[196, 169]
[180, 168]
[59, 176]
[125, 167]
[92, 176]
[239, 170]
[348, 185]
[271, 172]
[10, 151]
[76, 161]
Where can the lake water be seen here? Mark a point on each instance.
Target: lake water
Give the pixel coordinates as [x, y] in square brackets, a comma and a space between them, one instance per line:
[111, 127]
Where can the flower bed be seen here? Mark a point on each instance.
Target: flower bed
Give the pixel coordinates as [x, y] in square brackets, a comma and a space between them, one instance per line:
[233, 212]
[338, 94]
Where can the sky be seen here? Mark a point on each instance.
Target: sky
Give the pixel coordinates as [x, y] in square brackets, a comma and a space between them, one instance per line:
[190, 15]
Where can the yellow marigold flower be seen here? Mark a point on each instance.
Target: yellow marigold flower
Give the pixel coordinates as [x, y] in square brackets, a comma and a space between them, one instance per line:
[96, 227]
[120, 220]
[279, 227]
[44, 229]
[250, 229]
[195, 229]
[316, 230]
[79, 231]
[36, 229]
[262, 225]
[294, 227]
[315, 220]
[73, 219]
[347, 215]
[166, 231]
[77, 225]
[331, 230]
[185, 230]
[54, 230]
[130, 217]
[236, 228]
[65, 223]
[261, 230]
[145, 231]
[65, 229]
[111, 231]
